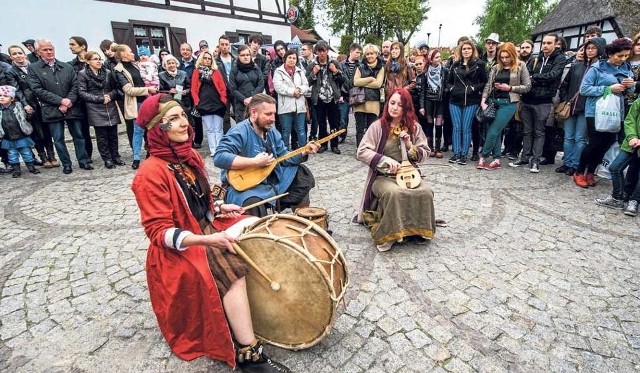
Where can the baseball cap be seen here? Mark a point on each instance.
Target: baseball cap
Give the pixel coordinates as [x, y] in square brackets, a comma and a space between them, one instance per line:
[493, 37]
[29, 42]
[203, 43]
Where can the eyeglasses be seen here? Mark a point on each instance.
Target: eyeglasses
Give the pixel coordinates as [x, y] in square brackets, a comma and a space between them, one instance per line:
[492, 43]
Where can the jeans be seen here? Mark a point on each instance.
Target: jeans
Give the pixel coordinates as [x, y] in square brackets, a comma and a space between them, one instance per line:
[343, 109]
[363, 121]
[293, 121]
[599, 143]
[616, 168]
[136, 141]
[493, 144]
[57, 132]
[534, 119]
[13, 155]
[213, 124]
[138, 136]
[461, 116]
[575, 139]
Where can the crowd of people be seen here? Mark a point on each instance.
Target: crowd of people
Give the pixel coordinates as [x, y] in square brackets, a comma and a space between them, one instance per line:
[315, 93]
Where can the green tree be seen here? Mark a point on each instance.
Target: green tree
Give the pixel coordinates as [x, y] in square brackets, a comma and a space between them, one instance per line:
[398, 18]
[513, 20]
[345, 43]
[305, 19]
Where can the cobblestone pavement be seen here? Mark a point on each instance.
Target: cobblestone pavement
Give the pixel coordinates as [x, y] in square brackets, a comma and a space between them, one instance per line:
[529, 276]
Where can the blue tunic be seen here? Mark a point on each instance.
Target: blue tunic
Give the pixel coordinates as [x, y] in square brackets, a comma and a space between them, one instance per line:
[244, 141]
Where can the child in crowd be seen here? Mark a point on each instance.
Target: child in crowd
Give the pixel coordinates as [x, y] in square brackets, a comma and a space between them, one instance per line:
[148, 70]
[626, 188]
[15, 131]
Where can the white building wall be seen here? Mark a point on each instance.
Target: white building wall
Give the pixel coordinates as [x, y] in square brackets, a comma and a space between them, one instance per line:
[57, 20]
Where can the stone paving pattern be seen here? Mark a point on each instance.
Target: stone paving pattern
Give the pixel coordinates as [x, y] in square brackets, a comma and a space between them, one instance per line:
[529, 276]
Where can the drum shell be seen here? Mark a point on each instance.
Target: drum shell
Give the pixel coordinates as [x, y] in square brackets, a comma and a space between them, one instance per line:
[317, 215]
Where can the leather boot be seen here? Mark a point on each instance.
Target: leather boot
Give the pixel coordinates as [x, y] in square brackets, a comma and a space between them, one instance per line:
[252, 359]
[16, 170]
[32, 169]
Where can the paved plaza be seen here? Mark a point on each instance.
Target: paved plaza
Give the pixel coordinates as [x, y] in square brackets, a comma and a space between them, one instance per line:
[529, 276]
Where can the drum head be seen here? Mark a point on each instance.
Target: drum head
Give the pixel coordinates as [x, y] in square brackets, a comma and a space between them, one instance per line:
[301, 313]
[311, 212]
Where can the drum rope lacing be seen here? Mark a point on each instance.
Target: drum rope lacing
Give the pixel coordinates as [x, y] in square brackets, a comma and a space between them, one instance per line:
[335, 257]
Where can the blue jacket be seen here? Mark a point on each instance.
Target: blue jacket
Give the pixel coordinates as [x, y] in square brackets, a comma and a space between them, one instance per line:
[602, 74]
[242, 140]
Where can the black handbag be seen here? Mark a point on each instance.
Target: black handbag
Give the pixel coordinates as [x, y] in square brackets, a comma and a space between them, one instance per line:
[356, 96]
[487, 115]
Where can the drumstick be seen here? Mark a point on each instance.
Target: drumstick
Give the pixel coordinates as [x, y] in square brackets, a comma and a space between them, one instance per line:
[260, 203]
[274, 285]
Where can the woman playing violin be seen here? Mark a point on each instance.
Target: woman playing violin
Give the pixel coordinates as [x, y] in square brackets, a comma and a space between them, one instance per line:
[392, 210]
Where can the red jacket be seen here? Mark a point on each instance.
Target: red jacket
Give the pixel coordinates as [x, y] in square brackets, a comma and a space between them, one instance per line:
[218, 82]
[183, 293]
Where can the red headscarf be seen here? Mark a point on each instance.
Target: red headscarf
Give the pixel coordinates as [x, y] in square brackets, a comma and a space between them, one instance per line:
[157, 140]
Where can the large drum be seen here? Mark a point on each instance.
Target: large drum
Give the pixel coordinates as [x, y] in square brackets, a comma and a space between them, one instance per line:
[312, 274]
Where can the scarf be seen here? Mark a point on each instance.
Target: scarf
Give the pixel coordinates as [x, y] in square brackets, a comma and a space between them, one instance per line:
[433, 77]
[205, 73]
[99, 78]
[173, 74]
[290, 71]
[24, 66]
[245, 67]
[395, 66]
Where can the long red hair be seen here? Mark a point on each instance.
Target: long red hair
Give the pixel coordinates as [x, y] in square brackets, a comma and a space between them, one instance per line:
[409, 118]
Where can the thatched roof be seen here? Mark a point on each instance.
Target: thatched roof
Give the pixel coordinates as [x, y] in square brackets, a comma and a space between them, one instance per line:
[570, 13]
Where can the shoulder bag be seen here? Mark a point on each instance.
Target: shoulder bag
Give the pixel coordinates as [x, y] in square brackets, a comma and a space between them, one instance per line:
[563, 110]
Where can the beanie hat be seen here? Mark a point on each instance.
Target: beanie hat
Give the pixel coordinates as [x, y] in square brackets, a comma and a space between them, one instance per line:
[7, 90]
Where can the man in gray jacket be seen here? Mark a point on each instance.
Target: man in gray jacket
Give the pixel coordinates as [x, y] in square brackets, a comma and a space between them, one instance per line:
[54, 84]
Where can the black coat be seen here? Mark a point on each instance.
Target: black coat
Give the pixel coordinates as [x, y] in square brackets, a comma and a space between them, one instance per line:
[167, 82]
[8, 78]
[24, 94]
[92, 89]
[244, 85]
[546, 74]
[465, 85]
[51, 86]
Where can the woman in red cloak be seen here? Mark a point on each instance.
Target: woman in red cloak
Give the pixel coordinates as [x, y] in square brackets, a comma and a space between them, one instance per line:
[196, 283]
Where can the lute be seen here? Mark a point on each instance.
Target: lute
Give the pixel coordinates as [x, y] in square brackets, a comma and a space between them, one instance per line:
[247, 178]
[407, 177]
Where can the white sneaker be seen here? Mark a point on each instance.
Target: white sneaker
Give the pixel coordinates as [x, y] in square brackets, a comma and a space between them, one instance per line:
[385, 246]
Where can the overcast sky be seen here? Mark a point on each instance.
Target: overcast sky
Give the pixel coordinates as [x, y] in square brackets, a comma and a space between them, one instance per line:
[456, 17]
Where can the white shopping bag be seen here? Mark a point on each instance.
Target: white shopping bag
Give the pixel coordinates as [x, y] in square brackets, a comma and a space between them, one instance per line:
[608, 113]
[609, 156]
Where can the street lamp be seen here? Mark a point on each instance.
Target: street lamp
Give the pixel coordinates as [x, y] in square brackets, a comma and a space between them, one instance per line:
[439, 29]
[428, 37]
